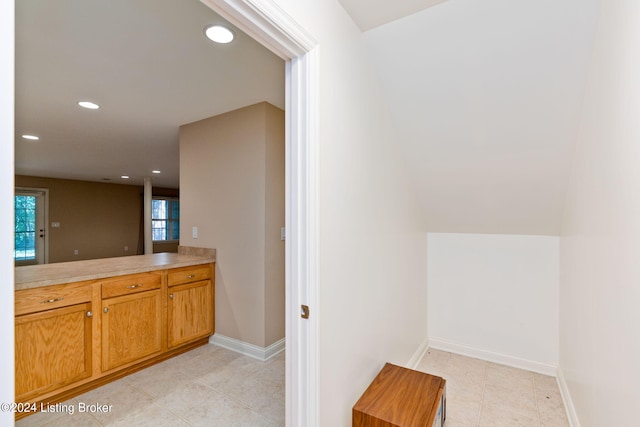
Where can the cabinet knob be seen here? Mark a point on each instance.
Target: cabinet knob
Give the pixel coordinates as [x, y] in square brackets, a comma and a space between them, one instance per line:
[137, 285]
[106, 310]
[170, 296]
[191, 276]
[89, 313]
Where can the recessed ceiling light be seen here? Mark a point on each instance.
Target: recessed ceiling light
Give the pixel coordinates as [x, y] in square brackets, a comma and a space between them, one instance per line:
[156, 171]
[89, 105]
[219, 34]
[124, 176]
[31, 137]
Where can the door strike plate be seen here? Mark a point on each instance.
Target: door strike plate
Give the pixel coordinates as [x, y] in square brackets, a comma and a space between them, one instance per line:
[304, 311]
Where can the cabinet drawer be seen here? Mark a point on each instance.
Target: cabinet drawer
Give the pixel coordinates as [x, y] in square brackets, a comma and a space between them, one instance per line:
[189, 274]
[131, 284]
[49, 297]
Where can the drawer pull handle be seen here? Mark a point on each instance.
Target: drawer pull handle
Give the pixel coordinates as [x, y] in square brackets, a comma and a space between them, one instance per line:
[105, 310]
[48, 301]
[89, 313]
[170, 296]
[137, 285]
[191, 276]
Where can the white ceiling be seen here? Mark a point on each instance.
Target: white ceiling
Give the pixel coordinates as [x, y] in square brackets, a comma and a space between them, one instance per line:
[149, 66]
[369, 14]
[485, 96]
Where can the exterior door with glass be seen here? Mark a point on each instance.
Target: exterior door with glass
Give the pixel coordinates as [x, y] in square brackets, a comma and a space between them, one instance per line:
[30, 230]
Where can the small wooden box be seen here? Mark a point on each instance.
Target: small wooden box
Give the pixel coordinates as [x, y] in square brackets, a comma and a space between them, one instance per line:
[401, 397]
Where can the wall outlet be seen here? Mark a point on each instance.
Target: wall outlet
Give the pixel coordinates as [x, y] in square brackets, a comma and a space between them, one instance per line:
[75, 252]
[194, 232]
[126, 248]
[55, 224]
[283, 233]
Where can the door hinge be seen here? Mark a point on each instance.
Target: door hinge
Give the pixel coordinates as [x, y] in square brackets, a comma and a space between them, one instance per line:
[304, 311]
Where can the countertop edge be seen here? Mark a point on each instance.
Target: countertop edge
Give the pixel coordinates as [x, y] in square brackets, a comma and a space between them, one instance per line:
[107, 267]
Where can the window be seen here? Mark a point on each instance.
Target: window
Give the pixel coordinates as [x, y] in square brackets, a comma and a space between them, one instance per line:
[165, 219]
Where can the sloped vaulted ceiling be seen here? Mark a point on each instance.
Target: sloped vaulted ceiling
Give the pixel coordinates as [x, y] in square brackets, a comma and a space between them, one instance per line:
[486, 98]
[368, 14]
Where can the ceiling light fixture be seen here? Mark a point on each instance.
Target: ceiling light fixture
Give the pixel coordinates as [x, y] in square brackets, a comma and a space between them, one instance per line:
[156, 171]
[219, 34]
[124, 176]
[31, 137]
[89, 105]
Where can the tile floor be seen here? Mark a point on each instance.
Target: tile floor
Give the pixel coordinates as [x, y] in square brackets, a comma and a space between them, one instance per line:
[208, 386]
[211, 386]
[485, 394]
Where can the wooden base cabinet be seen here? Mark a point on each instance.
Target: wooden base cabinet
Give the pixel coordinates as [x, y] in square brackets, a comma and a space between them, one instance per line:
[53, 349]
[131, 328]
[131, 318]
[64, 348]
[190, 312]
[190, 304]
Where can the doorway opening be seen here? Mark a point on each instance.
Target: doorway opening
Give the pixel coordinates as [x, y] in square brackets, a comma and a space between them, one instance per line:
[266, 23]
[30, 232]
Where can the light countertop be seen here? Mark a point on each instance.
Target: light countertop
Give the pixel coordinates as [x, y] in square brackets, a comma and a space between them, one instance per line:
[34, 276]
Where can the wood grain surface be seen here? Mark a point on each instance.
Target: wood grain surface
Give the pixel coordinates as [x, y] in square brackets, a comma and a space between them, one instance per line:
[399, 397]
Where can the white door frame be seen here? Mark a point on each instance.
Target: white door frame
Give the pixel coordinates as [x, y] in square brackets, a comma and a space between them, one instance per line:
[265, 22]
[7, 218]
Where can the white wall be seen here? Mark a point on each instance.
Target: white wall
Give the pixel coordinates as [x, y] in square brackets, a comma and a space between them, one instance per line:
[6, 200]
[372, 255]
[371, 245]
[495, 297]
[600, 242]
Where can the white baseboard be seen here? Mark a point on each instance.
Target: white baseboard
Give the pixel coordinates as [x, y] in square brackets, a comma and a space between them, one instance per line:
[251, 350]
[572, 415]
[503, 359]
[418, 355]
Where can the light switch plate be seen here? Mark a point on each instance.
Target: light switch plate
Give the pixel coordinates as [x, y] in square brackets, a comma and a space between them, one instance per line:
[194, 232]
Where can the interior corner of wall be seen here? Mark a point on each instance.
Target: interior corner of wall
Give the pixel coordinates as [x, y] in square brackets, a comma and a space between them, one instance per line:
[570, 409]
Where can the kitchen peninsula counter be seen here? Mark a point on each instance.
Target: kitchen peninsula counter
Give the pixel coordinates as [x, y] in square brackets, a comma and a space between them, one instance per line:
[35, 276]
[81, 324]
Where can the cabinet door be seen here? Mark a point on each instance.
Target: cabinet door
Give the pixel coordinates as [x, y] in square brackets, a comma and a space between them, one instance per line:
[190, 310]
[52, 349]
[131, 328]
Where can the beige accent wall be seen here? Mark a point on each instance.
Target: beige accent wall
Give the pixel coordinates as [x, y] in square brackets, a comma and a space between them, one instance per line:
[274, 221]
[165, 247]
[97, 219]
[232, 190]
